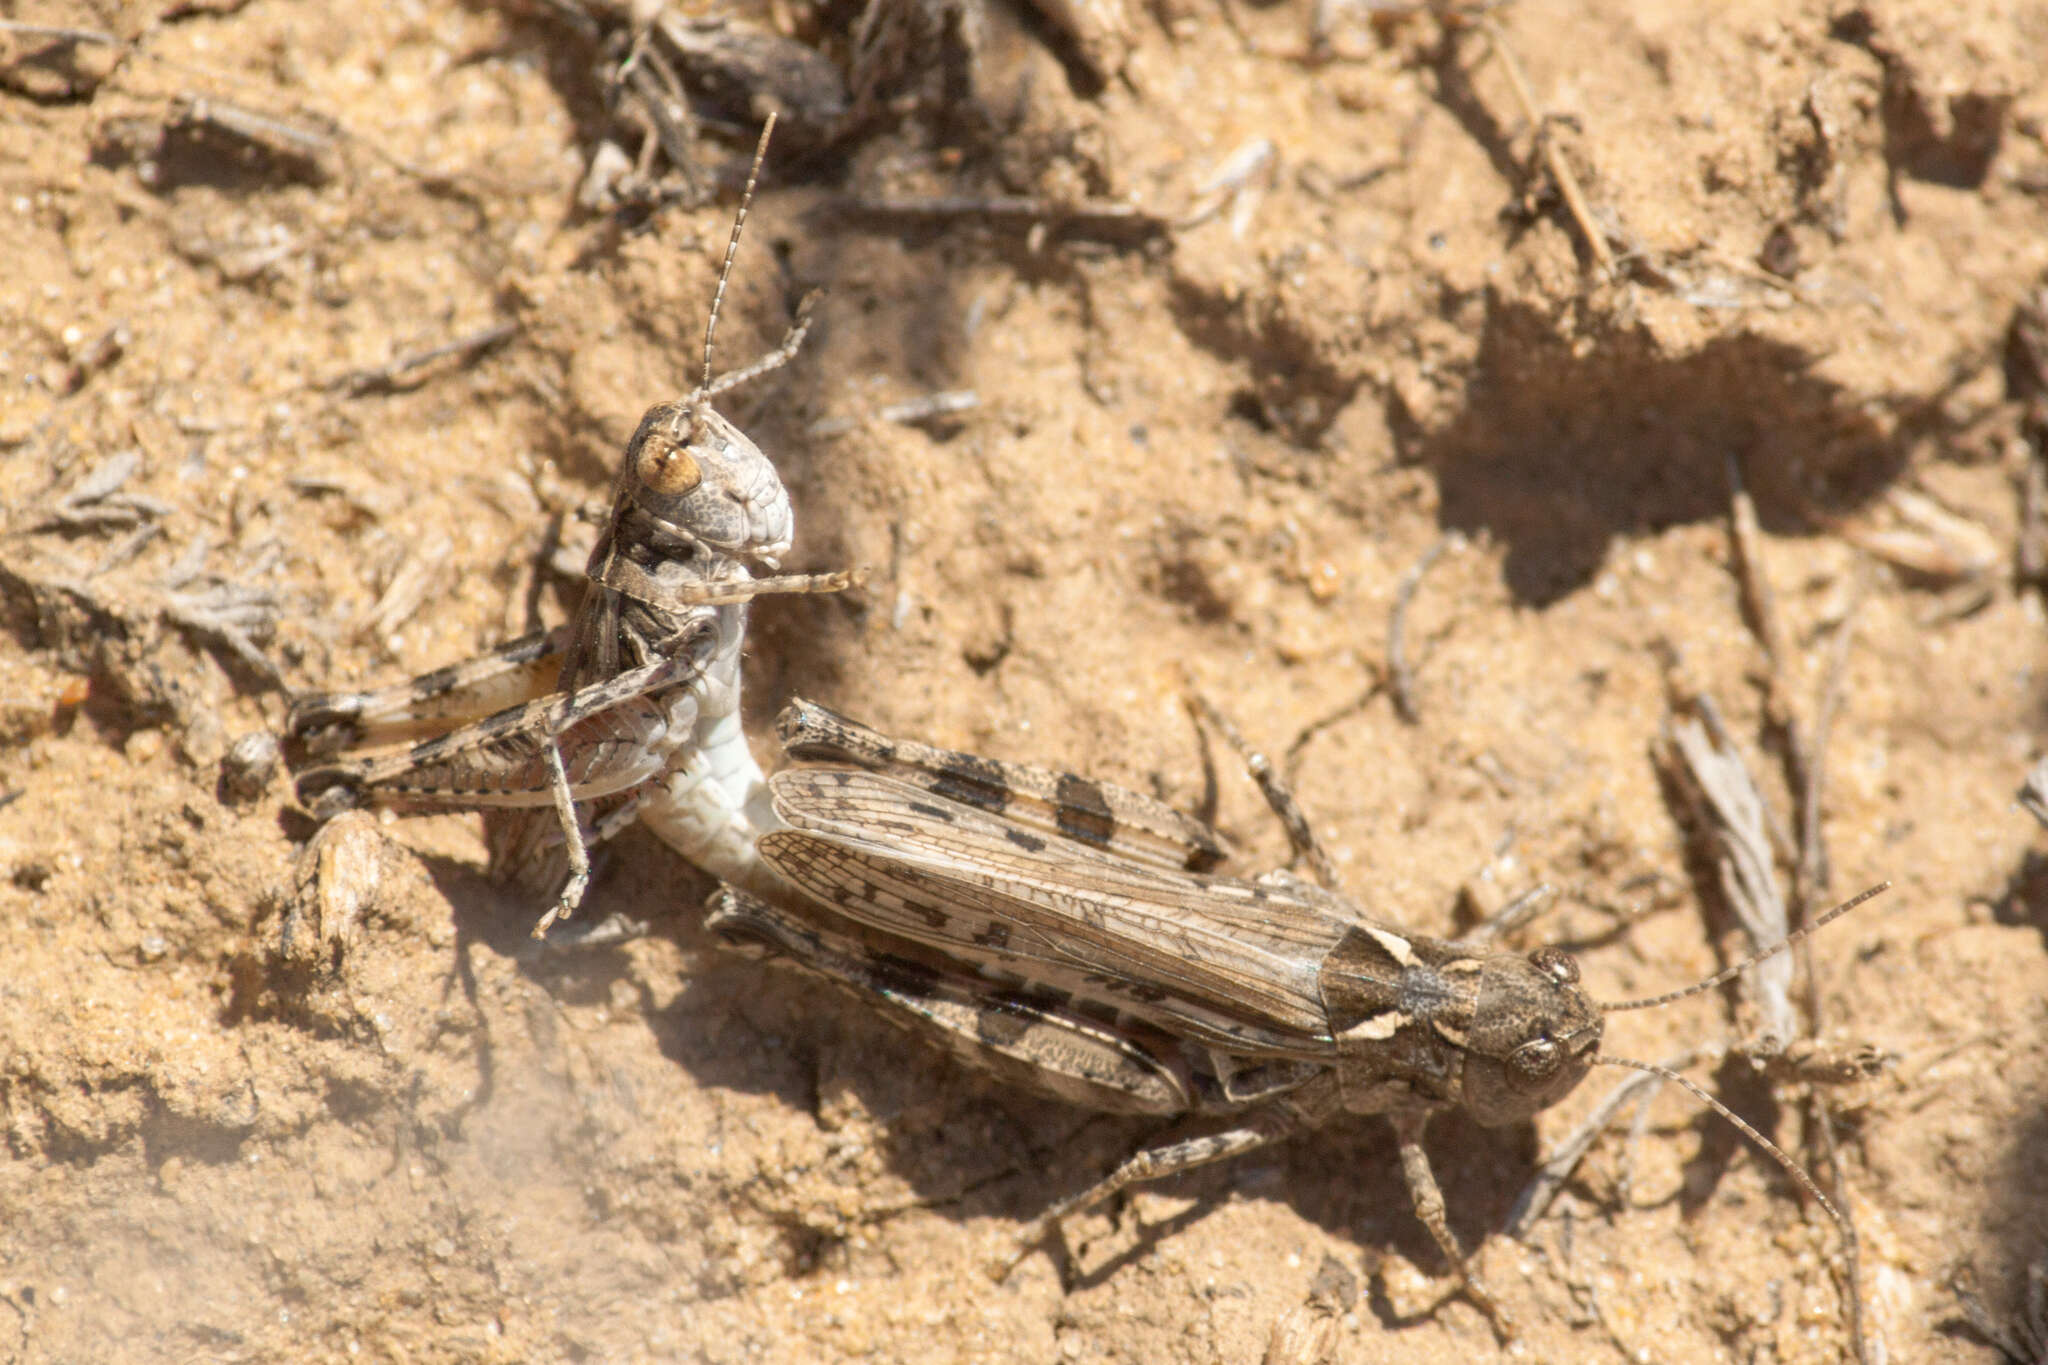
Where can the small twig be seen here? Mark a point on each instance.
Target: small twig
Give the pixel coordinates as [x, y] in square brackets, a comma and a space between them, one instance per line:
[1237, 181]
[2033, 793]
[1401, 679]
[1316, 727]
[1638, 1131]
[1305, 1333]
[2023, 1341]
[1512, 916]
[1758, 602]
[126, 548]
[910, 412]
[1560, 169]
[103, 479]
[1814, 872]
[251, 126]
[1099, 217]
[202, 617]
[190, 563]
[609, 932]
[2031, 557]
[1717, 730]
[669, 117]
[1820, 1061]
[58, 34]
[1726, 801]
[385, 378]
[1803, 754]
[420, 571]
[1812, 878]
[924, 409]
[1726, 798]
[96, 500]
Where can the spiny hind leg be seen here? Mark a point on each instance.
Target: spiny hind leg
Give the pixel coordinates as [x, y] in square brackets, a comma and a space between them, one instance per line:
[434, 702]
[1027, 1042]
[606, 731]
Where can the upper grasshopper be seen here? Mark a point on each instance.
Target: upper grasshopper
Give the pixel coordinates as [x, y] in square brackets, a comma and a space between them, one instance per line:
[632, 709]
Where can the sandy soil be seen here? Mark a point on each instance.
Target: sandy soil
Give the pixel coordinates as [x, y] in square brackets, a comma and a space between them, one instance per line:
[268, 1098]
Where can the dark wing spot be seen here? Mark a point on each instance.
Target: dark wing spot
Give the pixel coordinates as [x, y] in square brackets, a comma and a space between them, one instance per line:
[1024, 839]
[996, 936]
[1052, 999]
[972, 781]
[937, 916]
[1101, 1011]
[507, 720]
[435, 683]
[527, 649]
[935, 812]
[1084, 814]
[910, 979]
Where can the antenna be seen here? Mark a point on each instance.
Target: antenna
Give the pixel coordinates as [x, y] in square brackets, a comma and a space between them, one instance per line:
[732, 246]
[1777, 1153]
[1729, 974]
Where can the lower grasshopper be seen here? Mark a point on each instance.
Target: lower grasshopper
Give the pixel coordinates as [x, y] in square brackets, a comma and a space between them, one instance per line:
[994, 907]
[633, 708]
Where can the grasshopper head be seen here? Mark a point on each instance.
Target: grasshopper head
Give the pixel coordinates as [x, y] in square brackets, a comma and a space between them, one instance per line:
[699, 475]
[1534, 1036]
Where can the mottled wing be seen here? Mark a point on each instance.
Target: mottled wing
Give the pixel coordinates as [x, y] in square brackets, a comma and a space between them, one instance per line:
[1224, 961]
[1082, 810]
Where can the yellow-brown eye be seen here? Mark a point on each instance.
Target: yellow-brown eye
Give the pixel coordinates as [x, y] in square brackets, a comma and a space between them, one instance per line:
[666, 467]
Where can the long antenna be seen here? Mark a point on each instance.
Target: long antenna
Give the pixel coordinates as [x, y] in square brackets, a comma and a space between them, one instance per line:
[1729, 974]
[732, 247]
[1850, 1246]
[1777, 1153]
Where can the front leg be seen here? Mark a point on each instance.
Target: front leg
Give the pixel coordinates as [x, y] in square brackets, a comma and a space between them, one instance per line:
[1429, 1207]
[573, 843]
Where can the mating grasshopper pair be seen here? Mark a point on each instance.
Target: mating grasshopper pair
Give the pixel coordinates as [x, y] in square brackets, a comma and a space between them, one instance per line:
[1065, 934]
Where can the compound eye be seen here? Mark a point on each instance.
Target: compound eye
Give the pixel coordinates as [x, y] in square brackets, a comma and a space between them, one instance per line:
[1536, 1059]
[1557, 964]
[665, 466]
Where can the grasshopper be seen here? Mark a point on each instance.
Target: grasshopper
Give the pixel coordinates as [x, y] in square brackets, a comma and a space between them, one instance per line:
[630, 710]
[997, 908]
